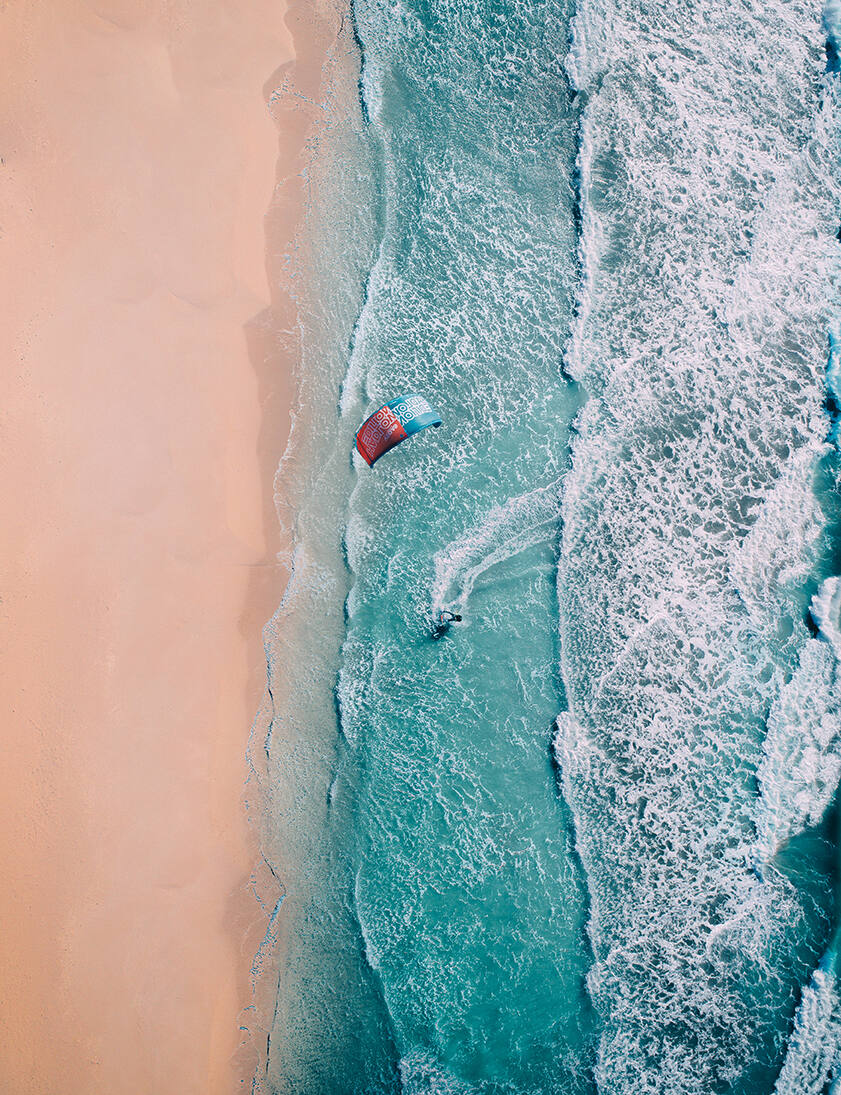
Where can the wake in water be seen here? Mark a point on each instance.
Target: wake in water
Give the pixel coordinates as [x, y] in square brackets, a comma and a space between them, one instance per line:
[505, 532]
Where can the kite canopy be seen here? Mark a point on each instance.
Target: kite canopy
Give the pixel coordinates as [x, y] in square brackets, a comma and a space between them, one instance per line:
[393, 423]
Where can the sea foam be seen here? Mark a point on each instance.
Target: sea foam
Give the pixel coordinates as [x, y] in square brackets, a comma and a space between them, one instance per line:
[702, 729]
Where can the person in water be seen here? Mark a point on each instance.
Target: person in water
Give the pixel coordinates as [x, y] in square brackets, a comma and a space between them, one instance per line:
[442, 624]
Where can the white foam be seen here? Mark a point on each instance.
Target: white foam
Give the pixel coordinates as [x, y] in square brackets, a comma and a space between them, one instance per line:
[801, 768]
[770, 565]
[832, 20]
[800, 771]
[710, 192]
[826, 612]
[813, 1058]
[420, 1074]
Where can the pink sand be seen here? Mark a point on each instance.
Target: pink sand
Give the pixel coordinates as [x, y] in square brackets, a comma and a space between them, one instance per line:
[144, 407]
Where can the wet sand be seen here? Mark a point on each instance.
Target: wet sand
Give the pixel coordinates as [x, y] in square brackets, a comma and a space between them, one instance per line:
[145, 404]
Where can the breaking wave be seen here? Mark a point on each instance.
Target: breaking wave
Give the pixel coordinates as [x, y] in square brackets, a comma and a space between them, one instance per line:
[702, 732]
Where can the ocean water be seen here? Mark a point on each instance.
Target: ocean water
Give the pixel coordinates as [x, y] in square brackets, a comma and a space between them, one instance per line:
[587, 841]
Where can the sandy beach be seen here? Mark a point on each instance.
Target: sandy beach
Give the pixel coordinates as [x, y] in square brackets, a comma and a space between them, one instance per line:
[145, 404]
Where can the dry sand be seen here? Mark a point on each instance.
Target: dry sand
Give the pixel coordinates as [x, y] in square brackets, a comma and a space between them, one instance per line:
[143, 407]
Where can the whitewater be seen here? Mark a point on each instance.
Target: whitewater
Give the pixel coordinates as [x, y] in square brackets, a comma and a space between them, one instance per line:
[588, 840]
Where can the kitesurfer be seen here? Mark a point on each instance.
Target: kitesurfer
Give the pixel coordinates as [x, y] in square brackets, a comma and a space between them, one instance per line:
[442, 624]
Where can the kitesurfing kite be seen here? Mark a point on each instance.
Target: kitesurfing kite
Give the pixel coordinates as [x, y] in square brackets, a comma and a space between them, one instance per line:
[393, 423]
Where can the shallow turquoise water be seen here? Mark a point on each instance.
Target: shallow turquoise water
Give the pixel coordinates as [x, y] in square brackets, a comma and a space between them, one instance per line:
[470, 904]
[585, 841]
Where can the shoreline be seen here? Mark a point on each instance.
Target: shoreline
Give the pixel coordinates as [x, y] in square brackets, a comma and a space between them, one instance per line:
[298, 96]
[144, 418]
[296, 744]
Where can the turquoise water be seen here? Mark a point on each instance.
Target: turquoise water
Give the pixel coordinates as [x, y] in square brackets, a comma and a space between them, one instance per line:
[585, 841]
